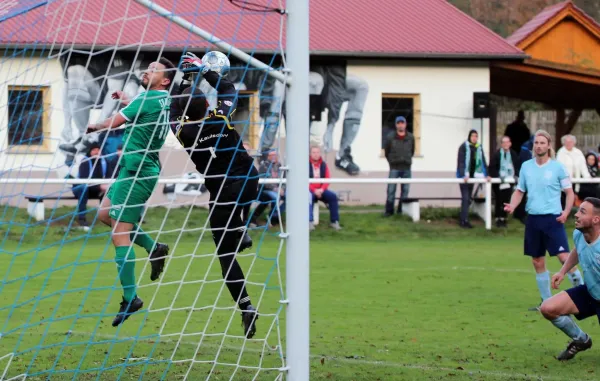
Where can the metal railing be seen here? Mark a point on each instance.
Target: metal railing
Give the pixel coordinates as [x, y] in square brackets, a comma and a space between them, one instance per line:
[487, 184]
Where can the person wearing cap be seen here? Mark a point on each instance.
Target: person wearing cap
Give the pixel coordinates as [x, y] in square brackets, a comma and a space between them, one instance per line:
[93, 166]
[399, 150]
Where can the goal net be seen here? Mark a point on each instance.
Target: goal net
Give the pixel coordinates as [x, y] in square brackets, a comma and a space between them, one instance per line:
[61, 63]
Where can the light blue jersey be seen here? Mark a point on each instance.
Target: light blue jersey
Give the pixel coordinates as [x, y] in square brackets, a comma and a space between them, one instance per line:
[589, 259]
[543, 184]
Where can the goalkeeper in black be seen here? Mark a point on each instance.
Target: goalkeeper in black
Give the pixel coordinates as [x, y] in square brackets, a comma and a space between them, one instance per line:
[231, 179]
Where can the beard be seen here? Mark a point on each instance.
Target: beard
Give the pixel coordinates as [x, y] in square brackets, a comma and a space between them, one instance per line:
[145, 83]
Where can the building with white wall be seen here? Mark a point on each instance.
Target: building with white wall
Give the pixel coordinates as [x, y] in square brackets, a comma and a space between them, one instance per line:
[423, 59]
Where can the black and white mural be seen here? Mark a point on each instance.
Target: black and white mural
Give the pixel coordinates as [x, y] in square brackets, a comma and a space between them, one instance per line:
[91, 79]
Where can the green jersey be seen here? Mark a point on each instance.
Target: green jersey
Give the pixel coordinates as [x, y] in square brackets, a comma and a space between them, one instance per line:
[146, 130]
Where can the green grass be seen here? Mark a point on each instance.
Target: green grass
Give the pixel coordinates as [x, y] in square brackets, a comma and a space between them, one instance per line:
[390, 300]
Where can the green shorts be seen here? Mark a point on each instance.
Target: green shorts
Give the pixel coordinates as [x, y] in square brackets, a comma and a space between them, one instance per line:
[129, 193]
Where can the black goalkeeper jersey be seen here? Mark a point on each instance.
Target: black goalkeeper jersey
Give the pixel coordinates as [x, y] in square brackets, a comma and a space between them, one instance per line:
[213, 144]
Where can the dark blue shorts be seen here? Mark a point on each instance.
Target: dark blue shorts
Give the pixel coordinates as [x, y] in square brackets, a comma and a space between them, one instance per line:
[586, 304]
[543, 233]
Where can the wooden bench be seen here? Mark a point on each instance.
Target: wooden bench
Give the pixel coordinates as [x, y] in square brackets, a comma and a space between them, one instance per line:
[412, 206]
[35, 204]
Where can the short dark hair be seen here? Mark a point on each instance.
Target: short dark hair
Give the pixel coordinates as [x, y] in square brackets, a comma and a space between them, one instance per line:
[196, 109]
[595, 203]
[170, 68]
[120, 147]
[92, 147]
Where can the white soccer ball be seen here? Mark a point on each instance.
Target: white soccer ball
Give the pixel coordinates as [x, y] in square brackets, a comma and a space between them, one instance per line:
[217, 62]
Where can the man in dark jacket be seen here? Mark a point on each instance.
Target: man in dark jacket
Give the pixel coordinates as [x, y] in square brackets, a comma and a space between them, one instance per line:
[93, 166]
[504, 164]
[399, 150]
[517, 131]
[471, 164]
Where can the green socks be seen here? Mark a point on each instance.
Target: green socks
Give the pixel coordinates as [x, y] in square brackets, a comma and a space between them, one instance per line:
[126, 262]
[126, 268]
[140, 238]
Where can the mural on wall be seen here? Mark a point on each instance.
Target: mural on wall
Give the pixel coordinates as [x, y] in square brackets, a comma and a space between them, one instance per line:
[89, 84]
[330, 87]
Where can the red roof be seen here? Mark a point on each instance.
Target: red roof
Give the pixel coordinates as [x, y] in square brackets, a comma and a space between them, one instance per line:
[403, 28]
[542, 18]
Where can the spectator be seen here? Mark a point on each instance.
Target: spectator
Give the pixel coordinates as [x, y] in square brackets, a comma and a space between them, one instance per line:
[471, 164]
[593, 164]
[517, 131]
[573, 160]
[399, 150]
[92, 166]
[319, 192]
[504, 164]
[590, 190]
[270, 193]
[525, 154]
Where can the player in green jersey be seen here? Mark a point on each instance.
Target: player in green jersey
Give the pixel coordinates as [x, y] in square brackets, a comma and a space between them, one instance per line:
[146, 119]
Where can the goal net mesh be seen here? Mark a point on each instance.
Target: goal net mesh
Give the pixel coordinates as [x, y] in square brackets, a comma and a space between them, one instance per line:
[59, 291]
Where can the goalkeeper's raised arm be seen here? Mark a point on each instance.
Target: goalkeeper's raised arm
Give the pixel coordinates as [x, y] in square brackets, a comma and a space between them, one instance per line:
[225, 89]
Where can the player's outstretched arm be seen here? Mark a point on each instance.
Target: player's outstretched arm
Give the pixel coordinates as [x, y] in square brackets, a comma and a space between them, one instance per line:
[568, 204]
[226, 92]
[221, 84]
[112, 122]
[515, 201]
[571, 262]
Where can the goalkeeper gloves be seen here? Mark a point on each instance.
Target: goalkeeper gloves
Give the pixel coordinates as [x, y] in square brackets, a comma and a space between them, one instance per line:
[191, 63]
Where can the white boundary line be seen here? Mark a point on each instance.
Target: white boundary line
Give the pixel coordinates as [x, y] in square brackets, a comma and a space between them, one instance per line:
[378, 363]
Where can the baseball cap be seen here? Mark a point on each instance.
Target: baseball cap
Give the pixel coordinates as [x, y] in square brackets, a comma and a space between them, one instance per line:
[400, 119]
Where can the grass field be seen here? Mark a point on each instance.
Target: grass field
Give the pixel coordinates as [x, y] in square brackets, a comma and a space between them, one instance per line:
[390, 300]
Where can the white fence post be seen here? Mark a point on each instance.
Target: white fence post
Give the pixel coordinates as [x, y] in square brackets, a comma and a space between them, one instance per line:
[488, 205]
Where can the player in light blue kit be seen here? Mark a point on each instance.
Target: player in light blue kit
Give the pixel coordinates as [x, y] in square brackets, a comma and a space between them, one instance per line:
[543, 179]
[582, 301]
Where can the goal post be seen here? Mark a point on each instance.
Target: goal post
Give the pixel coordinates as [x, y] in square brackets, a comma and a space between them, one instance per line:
[297, 143]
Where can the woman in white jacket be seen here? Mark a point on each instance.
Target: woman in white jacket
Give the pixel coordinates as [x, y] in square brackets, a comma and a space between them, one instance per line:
[573, 159]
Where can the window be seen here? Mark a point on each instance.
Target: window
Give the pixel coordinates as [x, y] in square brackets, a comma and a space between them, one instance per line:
[28, 118]
[406, 105]
[246, 118]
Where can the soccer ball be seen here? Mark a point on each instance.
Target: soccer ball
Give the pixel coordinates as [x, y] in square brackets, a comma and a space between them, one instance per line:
[217, 62]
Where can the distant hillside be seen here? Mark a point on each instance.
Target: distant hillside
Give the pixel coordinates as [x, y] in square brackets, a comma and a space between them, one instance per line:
[506, 16]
